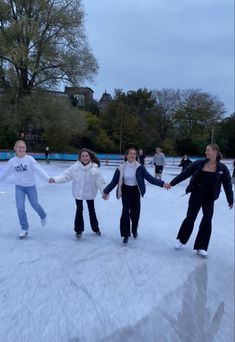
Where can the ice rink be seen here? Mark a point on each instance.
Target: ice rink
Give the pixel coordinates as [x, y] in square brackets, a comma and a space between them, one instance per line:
[56, 288]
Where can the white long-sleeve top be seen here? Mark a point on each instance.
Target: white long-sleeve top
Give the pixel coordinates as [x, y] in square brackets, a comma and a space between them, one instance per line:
[129, 174]
[86, 180]
[24, 171]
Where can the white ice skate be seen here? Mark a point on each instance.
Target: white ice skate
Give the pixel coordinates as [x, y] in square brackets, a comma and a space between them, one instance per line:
[179, 245]
[23, 233]
[44, 221]
[202, 253]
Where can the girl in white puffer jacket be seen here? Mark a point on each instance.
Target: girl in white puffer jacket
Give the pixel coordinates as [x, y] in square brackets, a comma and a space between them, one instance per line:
[86, 180]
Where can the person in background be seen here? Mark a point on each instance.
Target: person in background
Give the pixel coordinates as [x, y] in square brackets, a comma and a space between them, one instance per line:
[159, 162]
[47, 155]
[86, 179]
[141, 157]
[129, 178]
[24, 168]
[185, 161]
[207, 175]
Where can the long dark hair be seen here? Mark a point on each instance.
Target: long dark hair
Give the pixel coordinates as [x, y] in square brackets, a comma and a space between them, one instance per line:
[92, 155]
[215, 147]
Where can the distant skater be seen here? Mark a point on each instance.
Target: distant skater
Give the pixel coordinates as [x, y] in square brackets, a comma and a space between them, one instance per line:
[141, 157]
[24, 168]
[207, 175]
[233, 174]
[129, 179]
[86, 179]
[47, 155]
[159, 162]
[185, 162]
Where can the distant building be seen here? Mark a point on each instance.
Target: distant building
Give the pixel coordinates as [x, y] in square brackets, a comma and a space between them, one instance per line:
[104, 101]
[81, 96]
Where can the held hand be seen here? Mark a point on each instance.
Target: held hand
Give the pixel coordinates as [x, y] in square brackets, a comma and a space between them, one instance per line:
[230, 206]
[105, 196]
[167, 186]
[51, 180]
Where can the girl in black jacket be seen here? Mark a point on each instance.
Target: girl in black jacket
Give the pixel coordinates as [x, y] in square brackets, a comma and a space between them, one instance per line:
[185, 162]
[207, 176]
[129, 178]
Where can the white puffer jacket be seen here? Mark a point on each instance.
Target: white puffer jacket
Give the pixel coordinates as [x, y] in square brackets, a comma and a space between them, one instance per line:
[86, 180]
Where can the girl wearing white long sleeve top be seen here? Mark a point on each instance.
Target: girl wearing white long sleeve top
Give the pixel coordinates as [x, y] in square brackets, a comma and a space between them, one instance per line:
[86, 180]
[24, 168]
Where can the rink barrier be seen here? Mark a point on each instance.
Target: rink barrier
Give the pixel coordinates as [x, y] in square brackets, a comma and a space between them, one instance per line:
[105, 159]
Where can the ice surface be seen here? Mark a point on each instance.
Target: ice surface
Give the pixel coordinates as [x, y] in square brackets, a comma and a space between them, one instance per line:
[55, 288]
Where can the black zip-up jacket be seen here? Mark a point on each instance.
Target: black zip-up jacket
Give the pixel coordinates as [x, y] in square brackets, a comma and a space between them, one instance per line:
[184, 163]
[222, 176]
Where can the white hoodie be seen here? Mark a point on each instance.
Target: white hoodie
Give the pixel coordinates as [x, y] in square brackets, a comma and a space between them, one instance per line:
[24, 171]
[86, 180]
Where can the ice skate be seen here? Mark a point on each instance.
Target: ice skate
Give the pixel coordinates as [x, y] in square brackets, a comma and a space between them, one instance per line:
[202, 253]
[179, 245]
[23, 233]
[78, 235]
[135, 235]
[44, 221]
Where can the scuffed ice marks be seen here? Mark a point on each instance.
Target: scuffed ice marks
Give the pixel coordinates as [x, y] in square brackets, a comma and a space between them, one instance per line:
[182, 316]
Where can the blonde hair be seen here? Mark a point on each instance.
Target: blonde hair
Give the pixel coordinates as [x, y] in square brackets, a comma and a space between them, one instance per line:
[19, 142]
[216, 148]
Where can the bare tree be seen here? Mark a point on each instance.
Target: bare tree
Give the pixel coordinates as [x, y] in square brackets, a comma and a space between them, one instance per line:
[43, 42]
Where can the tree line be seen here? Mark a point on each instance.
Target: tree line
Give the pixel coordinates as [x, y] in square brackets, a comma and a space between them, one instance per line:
[179, 121]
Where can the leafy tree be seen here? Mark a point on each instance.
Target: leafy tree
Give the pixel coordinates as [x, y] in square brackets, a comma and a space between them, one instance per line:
[125, 119]
[10, 121]
[51, 119]
[224, 135]
[43, 42]
[197, 114]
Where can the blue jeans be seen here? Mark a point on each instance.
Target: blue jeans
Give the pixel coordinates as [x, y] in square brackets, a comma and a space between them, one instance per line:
[31, 192]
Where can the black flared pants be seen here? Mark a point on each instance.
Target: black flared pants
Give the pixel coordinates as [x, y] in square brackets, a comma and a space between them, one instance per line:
[198, 199]
[130, 210]
[79, 222]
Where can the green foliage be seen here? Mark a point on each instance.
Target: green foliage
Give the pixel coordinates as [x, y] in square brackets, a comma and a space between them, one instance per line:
[197, 113]
[10, 122]
[125, 118]
[178, 121]
[224, 135]
[51, 117]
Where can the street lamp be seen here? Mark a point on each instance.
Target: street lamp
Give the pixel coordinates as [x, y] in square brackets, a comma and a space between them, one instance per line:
[212, 135]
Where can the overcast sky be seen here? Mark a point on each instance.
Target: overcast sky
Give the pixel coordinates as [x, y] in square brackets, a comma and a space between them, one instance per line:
[158, 44]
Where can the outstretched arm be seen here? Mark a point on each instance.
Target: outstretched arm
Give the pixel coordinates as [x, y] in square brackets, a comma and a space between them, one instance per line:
[227, 185]
[38, 169]
[100, 182]
[113, 182]
[184, 174]
[152, 179]
[66, 176]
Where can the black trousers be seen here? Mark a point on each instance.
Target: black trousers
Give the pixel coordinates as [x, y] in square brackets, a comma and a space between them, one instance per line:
[79, 222]
[130, 210]
[198, 199]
